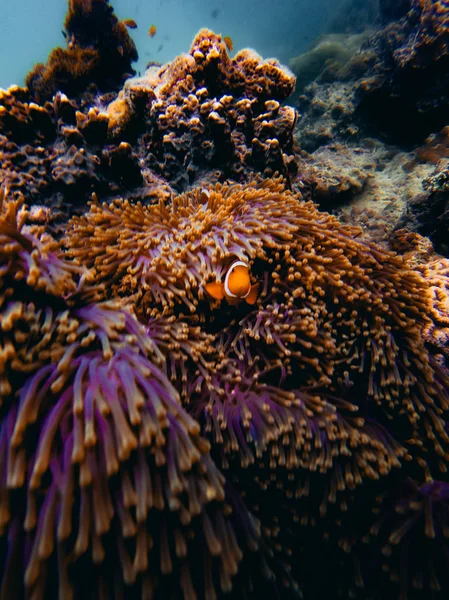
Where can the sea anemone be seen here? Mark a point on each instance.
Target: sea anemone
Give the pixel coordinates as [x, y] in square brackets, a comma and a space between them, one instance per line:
[336, 314]
[252, 430]
[328, 374]
[404, 555]
[101, 468]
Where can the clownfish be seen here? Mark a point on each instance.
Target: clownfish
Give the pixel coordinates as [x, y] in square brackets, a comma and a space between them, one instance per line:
[152, 31]
[236, 287]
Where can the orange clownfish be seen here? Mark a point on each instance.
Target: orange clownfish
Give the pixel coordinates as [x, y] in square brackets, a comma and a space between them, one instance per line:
[152, 31]
[236, 287]
[229, 45]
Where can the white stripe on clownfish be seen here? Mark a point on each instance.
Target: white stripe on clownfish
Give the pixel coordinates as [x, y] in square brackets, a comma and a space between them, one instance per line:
[237, 285]
[237, 263]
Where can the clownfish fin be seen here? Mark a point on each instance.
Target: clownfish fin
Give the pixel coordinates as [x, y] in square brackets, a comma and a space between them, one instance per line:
[252, 296]
[216, 290]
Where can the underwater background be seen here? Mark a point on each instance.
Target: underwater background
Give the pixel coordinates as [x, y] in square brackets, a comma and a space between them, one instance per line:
[29, 29]
[224, 300]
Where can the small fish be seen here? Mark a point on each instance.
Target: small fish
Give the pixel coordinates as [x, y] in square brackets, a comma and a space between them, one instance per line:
[214, 14]
[130, 23]
[236, 287]
[152, 31]
[229, 45]
[160, 48]
[64, 34]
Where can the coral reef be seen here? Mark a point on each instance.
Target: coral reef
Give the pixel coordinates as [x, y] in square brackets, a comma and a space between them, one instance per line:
[327, 60]
[334, 174]
[101, 469]
[375, 109]
[408, 83]
[427, 212]
[56, 156]
[158, 441]
[399, 76]
[99, 54]
[209, 115]
[366, 182]
[204, 116]
[318, 395]
[327, 116]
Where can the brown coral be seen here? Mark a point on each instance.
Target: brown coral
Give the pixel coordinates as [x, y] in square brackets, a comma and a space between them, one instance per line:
[100, 51]
[206, 110]
[55, 155]
[165, 129]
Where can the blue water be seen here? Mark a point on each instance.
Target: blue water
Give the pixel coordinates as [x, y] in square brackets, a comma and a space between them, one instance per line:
[29, 29]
